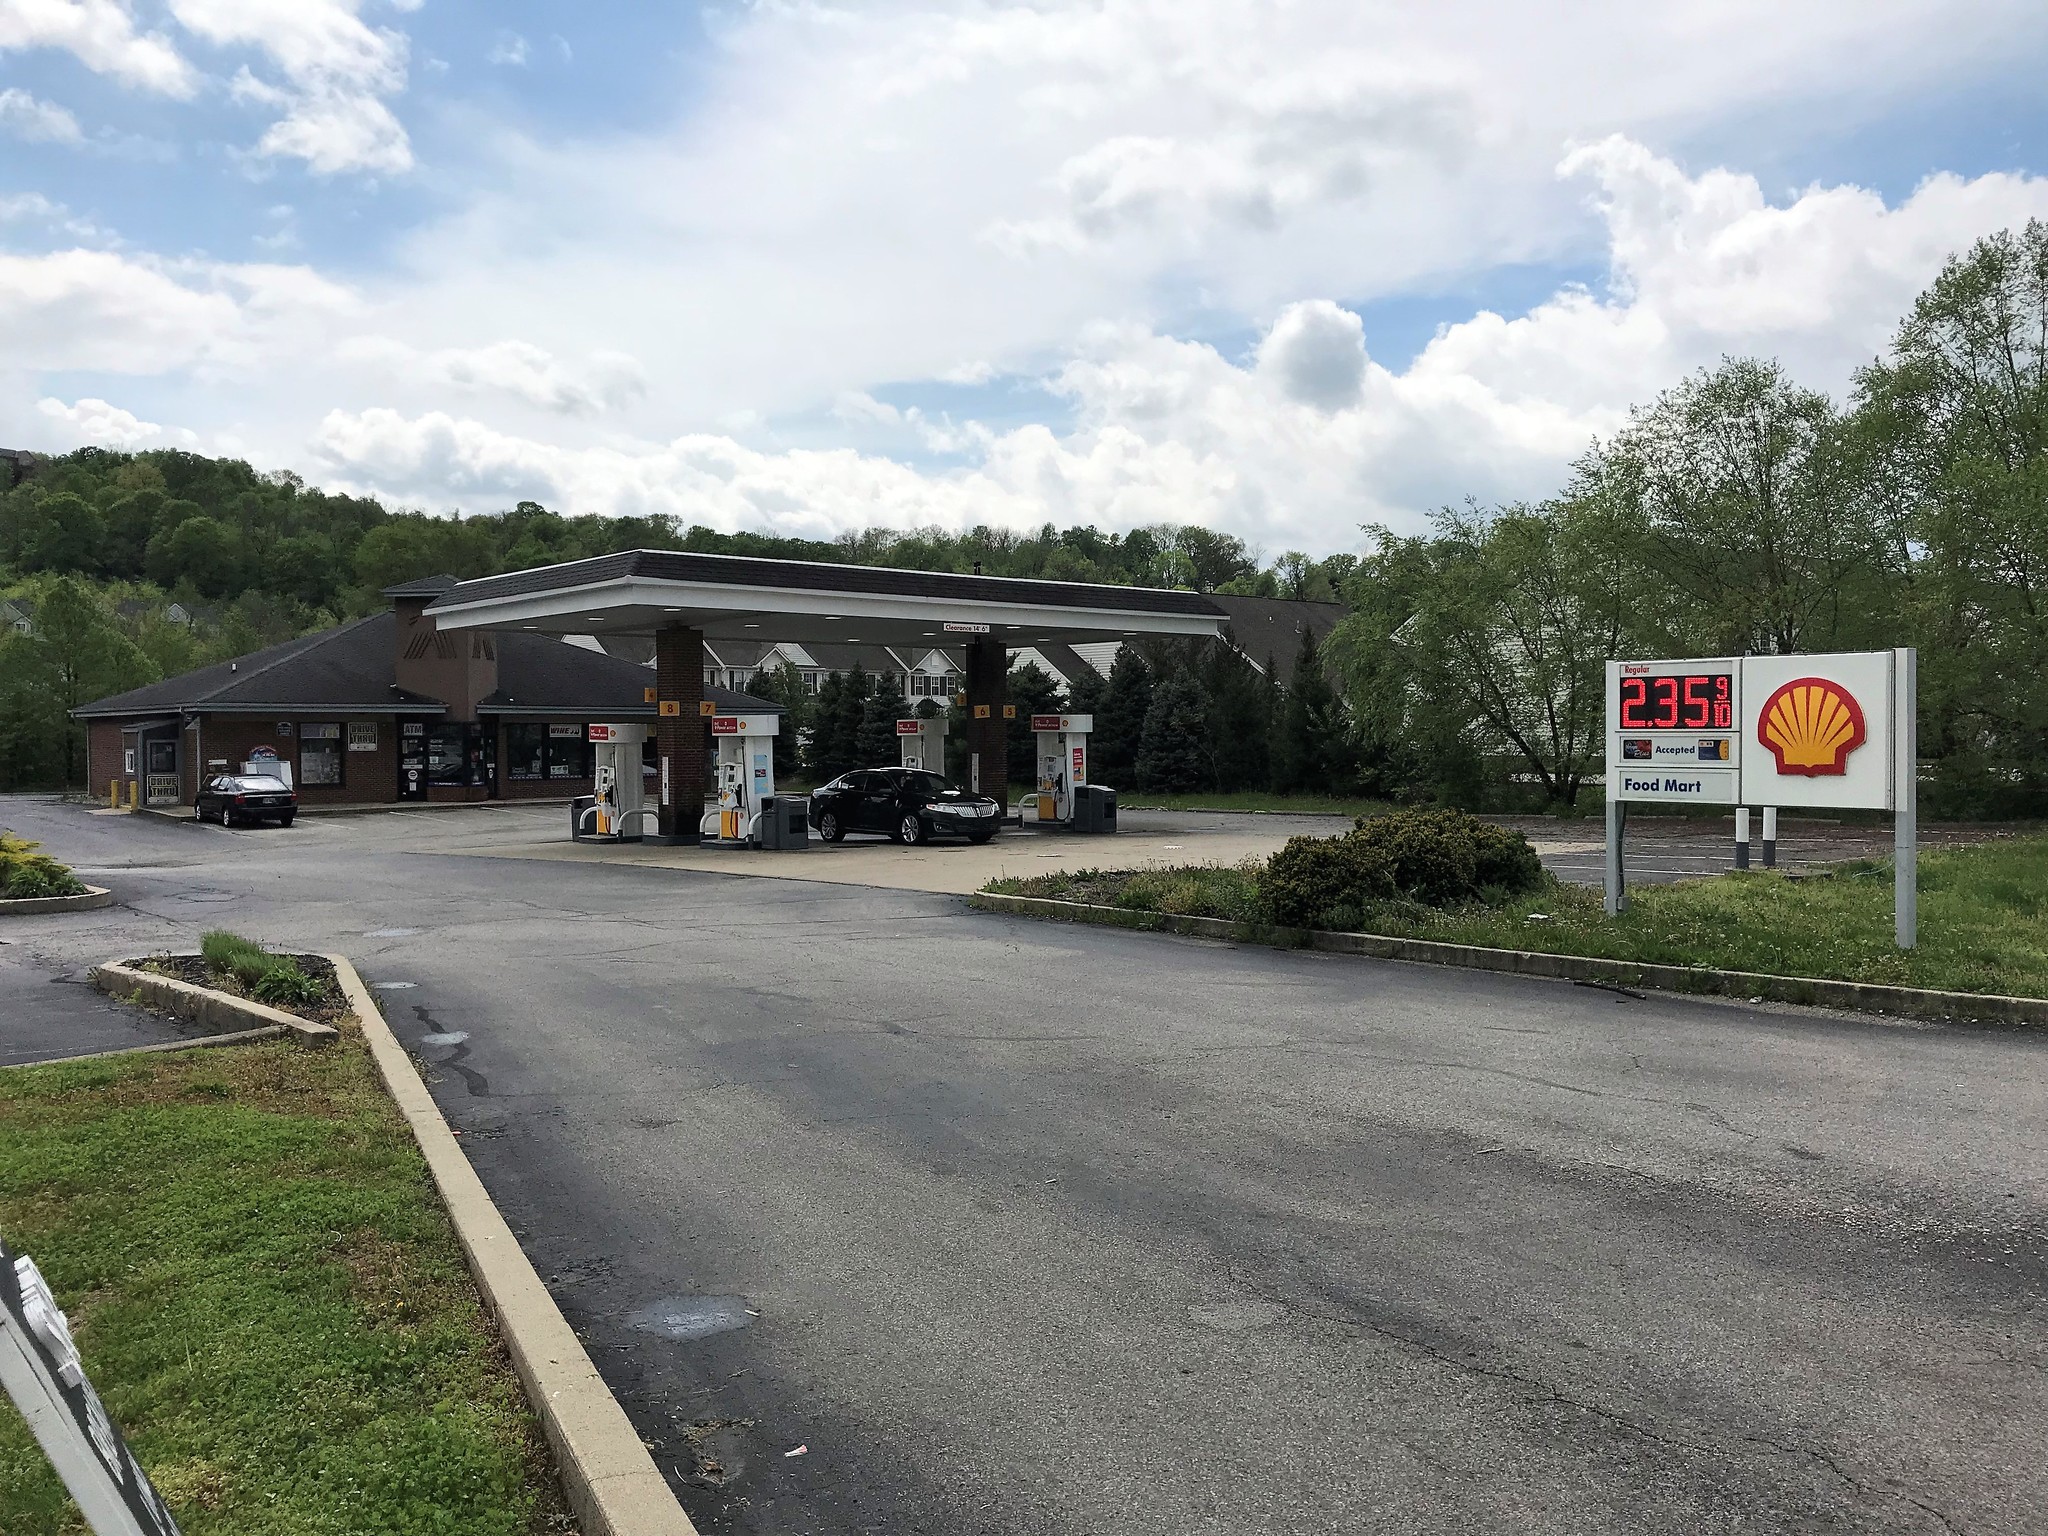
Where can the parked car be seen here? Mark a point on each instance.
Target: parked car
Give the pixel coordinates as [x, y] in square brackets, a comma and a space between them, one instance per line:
[906, 803]
[236, 798]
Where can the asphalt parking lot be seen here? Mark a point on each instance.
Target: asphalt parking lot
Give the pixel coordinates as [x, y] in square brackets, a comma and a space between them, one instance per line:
[1028, 1228]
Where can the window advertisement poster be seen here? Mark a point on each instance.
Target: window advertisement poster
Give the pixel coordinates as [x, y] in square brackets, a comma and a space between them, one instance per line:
[320, 754]
[40, 1370]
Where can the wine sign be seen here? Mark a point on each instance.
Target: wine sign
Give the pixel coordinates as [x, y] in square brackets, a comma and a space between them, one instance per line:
[40, 1370]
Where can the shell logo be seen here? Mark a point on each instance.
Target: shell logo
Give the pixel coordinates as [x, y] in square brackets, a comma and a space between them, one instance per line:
[1811, 726]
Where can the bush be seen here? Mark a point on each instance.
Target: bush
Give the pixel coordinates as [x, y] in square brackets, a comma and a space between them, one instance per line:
[285, 985]
[274, 979]
[1310, 876]
[1436, 858]
[26, 875]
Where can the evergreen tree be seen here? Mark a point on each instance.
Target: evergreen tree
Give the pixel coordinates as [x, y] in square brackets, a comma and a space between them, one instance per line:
[1315, 749]
[1120, 721]
[1242, 703]
[1034, 691]
[784, 685]
[875, 737]
[843, 725]
[1172, 747]
[820, 748]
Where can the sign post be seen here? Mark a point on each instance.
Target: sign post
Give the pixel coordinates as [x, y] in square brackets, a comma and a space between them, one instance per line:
[40, 1370]
[1837, 731]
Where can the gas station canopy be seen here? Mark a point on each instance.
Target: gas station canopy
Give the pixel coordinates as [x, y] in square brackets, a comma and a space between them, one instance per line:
[734, 597]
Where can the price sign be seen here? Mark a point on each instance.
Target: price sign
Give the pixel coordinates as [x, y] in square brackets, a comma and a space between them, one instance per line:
[1687, 701]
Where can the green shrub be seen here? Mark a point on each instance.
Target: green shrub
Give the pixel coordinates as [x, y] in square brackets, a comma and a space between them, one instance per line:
[26, 875]
[274, 979]
[1311, 876]
[1434, 858]
[284, 985]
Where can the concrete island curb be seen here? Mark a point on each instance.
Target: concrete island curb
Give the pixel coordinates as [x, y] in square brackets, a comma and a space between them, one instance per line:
[94, 897]
[1813, 991]
[612, 1482]
[203, 1005]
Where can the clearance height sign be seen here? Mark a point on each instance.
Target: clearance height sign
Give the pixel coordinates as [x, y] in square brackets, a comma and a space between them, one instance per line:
[1777, 731]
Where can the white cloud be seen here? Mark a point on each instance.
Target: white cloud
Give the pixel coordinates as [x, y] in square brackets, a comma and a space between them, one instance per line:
[1309, 437]
[103, 311]
[39, 122]
[336, 71]
[603, 381]
[95, 421]
[101, 35]
[507, 48]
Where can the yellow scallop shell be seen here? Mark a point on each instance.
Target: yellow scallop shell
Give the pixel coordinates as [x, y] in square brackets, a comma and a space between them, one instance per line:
[1812, 726]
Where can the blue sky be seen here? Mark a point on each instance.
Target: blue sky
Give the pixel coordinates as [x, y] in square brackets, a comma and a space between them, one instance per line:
[1282, 269]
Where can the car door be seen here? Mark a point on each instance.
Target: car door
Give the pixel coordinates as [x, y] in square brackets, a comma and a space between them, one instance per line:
[863, 793]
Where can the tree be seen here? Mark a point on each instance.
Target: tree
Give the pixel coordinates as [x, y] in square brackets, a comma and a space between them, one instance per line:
[875, 738]
[1314, 749]
[1505, 621]
[1955, 423]
[822, 748]
[1033, 691]
[75, 656]
[1172, 753]
[1242, 711]
[1737, 482]
[1120, 722]
[200, 552]
[62, 533]
[785, 685]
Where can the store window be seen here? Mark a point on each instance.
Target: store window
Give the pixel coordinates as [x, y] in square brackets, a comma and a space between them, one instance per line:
[453, 755]
[526, 752]
[320, 755]
[568, 752]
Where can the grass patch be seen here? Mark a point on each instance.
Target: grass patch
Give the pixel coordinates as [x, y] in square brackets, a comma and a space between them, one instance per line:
[1983, 918]
[267, 1292]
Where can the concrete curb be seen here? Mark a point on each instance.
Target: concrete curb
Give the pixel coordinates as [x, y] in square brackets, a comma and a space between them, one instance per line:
[95, 897]
[198, 1042]
[1860, 997]
[612, 1483]
[203, 1005]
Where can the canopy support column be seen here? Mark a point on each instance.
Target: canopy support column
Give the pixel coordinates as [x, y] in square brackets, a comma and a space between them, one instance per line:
[988, 742]
[678, 734]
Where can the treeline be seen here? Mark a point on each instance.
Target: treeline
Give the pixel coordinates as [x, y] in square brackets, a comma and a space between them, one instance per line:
[1742, 513]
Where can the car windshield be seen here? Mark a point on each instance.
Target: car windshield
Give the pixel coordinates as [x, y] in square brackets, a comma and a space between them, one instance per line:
[924, 783]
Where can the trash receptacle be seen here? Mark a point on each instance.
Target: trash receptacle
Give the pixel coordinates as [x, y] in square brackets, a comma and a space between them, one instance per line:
[785, 822]
[1094, 808]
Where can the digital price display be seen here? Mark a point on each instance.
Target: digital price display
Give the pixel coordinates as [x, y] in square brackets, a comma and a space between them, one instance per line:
[1681, 701]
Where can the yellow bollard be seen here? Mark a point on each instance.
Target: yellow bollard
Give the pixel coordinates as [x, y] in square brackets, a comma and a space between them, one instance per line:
[133, 797]
[113, 794]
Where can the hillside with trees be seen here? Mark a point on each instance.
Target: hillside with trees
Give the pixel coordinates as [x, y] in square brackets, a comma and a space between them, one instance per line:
[1739, 511]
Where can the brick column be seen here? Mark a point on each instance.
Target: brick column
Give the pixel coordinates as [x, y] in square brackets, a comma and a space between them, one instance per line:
[679, 733]
[988, 686]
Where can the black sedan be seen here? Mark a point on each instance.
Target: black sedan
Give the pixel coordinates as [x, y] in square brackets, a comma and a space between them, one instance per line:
[236, 798]
[906, 803]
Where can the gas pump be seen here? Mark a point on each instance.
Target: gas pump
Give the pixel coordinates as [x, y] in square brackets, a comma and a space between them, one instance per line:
[923, 743]
[619, 802]
[746, 774]
[1062, 763]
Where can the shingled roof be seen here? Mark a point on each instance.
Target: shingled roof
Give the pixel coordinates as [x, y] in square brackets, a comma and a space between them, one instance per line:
[350, 670]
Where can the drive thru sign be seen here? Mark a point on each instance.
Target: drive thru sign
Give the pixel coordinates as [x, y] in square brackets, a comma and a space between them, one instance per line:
[1836, 730]
[40, 1370]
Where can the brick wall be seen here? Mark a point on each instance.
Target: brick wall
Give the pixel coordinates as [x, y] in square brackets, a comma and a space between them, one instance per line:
[367, 778]
[103, 758]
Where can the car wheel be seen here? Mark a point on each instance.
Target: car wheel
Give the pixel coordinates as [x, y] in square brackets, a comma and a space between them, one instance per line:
[285, 821]
[911, 829]
[830, 828]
